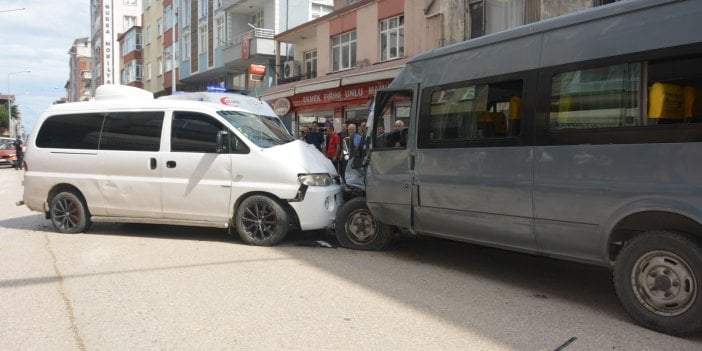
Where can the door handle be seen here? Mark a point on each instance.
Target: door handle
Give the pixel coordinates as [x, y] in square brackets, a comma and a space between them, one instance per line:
[152, 163]
[170, 164]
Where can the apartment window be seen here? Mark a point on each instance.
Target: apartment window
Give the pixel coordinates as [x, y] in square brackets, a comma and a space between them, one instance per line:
[319, 10]
[132, 41]
[476, 15]
[186, 46]
[202, 44]
[344, 51]
[159, 63]
[185, 12]
[257, 19]
[219, 38]
[168, 57]
[159, 27]
[129, 22]
[392, 38]
[147, 37]
[148, 71]
[311, 64]
[202, 8]
[168, 17]
[132, 72]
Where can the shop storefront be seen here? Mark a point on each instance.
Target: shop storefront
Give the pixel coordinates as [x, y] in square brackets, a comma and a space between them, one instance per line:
[328, 105]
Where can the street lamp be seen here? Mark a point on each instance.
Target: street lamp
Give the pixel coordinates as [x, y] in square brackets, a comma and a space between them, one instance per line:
[13, 132]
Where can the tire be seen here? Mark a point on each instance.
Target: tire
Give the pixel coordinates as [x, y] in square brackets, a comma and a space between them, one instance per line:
[657, 277]
[68, 213]
[357, 229]
[261, 221]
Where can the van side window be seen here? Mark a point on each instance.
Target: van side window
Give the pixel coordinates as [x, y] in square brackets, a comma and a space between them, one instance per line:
[132, 131]
[194, 132]
[393, 122]
[74, 131]
[470, 112]
[616, 96]
[600, 97]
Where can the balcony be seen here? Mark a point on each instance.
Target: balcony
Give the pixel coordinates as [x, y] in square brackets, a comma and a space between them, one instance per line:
[249, 47]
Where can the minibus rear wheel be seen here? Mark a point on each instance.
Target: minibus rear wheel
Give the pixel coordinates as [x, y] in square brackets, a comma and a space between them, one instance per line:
[261, 221]
[356, 228]
[68, 213]
[658, 276]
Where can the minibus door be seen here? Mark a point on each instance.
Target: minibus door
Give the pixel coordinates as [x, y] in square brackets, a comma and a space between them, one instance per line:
[389, 171]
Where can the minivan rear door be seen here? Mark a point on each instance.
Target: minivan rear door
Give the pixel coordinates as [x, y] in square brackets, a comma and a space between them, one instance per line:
[128, 155]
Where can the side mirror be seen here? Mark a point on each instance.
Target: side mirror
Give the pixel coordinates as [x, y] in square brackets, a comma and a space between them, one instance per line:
[222, 142]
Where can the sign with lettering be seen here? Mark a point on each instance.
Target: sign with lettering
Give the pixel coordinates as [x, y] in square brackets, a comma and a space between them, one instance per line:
[348, 93]
[257, 70]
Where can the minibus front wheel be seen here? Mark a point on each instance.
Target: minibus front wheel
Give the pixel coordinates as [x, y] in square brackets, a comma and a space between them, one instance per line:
[261, 221]
[68, 213]
[658, 276]
[356, 228]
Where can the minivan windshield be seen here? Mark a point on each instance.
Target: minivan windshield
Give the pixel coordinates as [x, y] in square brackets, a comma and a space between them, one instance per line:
[264, 131]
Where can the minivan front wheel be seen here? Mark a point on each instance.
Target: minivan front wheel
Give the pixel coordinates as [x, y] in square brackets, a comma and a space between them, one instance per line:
[356, 228]
[658, 276]
[261, 221]
[68, 213]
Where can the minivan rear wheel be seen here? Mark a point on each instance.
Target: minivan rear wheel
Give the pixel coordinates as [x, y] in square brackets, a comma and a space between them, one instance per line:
[261, 221]
[68, 213]
[658, 276]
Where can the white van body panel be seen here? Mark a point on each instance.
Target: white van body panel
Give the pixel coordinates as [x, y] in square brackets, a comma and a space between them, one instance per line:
[190, 188]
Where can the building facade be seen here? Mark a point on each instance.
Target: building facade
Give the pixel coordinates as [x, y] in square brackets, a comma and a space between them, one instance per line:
[338, 61]
[80, 71]
[110, 19]
[229, 44]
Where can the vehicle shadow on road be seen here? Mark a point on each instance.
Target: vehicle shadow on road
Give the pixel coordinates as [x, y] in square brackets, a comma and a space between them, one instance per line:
[456, 282]
[37, 222]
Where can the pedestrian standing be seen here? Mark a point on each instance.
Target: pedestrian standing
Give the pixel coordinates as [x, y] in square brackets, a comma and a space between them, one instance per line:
[19, 153]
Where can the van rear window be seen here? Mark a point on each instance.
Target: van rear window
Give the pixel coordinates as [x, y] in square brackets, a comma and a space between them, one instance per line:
[75, 131]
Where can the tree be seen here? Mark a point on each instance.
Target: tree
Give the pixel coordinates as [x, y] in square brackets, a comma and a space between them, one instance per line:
[3, 115]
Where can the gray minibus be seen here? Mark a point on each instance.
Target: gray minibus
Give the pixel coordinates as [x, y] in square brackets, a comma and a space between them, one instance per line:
[577, 137]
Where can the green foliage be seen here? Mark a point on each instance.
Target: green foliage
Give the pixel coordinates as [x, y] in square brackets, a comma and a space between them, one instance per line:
[3, 115]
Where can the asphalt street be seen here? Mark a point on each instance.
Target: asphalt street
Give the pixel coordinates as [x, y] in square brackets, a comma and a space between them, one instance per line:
[157, 287]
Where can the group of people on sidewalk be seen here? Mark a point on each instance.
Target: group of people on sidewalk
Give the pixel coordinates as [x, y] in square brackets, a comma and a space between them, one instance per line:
[329, 143]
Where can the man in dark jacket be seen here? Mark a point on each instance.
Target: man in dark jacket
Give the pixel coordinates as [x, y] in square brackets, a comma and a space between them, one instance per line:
[19, 153]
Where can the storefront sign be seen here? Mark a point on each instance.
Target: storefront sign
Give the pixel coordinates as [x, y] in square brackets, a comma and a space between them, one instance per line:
[257, 70]
[348, 93]
[281, 106]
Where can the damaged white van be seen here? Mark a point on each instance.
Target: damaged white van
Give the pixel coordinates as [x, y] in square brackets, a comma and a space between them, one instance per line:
[127, 157]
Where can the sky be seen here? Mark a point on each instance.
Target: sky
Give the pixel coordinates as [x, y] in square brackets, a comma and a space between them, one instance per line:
[38, 39]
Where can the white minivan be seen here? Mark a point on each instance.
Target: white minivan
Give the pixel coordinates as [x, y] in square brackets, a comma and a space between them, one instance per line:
[193, 159]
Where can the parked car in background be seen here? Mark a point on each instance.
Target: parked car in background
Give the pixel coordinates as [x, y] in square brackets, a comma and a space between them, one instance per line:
[7, 151]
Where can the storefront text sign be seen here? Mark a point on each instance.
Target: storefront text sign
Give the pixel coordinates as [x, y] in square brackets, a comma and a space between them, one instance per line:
[349, 93]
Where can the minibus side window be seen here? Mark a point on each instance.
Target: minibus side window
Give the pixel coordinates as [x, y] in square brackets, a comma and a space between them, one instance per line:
[469, 113]
[194, 132]
[132, 131]
[393, 119]
[74, 131]
[600, 97]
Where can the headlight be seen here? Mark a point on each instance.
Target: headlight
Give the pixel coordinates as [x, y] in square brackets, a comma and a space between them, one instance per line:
[319, 179]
